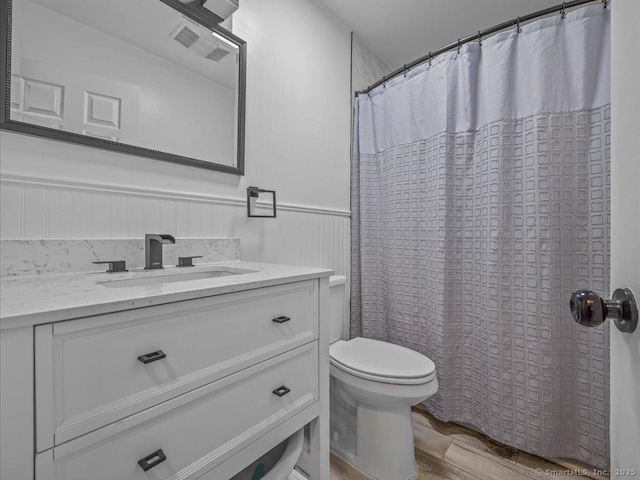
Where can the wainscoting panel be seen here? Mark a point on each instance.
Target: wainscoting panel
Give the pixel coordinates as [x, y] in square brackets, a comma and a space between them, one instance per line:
[44, 208]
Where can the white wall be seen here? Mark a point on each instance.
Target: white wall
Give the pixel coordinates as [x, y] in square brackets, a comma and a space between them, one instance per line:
[366, 66]
[297, 143]
[625, 231]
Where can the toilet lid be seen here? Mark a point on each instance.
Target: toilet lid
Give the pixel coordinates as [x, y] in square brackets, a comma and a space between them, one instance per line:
[381, 359]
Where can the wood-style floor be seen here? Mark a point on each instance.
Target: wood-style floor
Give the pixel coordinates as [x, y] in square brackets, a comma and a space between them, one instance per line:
[452, 452]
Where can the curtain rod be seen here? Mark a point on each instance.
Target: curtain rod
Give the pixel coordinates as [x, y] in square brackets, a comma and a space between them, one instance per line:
[478, 36]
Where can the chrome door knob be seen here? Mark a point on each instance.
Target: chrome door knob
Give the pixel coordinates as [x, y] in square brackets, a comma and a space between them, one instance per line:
[590, 310]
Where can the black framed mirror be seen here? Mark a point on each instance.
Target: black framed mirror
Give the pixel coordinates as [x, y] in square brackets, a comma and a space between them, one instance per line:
[152, 78]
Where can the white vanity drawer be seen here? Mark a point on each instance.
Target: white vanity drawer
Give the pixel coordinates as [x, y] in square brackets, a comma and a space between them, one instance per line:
[88, 373]
[196, 431]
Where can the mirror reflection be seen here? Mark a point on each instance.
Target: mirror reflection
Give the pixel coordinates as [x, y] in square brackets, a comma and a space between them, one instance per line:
[138, 73]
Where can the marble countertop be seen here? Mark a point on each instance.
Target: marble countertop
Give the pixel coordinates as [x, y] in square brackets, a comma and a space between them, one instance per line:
[37, 299]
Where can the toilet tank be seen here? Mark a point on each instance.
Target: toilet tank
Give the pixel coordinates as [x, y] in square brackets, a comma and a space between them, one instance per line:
[337, 295]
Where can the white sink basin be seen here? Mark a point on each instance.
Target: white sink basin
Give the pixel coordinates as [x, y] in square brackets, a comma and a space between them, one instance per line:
[173, 277]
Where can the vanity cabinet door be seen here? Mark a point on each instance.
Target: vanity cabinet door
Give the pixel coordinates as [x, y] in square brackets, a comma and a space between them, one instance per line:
[95, 371]
[194, 433]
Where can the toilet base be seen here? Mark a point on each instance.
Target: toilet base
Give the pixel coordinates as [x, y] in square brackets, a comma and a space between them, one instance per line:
[376, 441]
[384, 448]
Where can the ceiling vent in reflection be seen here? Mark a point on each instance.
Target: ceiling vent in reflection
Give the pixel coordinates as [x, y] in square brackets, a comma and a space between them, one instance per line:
[200, 42]
[218, 54]
[186, 37]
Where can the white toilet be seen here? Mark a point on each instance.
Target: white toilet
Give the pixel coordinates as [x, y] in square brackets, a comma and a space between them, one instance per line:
[373, 386]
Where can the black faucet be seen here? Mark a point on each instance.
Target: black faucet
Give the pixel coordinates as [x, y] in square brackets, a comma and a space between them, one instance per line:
[153, 249]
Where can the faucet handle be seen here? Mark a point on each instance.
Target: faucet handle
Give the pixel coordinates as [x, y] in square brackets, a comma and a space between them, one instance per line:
[187, 261]
[114, 265]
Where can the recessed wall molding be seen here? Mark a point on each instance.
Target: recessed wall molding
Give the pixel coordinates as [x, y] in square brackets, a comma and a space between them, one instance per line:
[111, 188]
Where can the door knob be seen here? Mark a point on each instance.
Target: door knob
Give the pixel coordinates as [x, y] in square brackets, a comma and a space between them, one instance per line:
[590, 310]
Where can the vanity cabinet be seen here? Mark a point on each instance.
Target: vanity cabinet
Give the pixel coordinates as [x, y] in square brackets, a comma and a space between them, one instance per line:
[184, 390]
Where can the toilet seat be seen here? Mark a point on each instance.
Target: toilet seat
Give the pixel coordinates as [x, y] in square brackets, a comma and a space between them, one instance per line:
[381, 362]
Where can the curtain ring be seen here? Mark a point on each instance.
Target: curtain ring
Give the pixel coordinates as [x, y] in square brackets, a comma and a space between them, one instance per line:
[518, 23]
[459, 46]
[479, 38]
[405, 71]
[605, 3]
[563, 12]
[430, 56]
[369, 93]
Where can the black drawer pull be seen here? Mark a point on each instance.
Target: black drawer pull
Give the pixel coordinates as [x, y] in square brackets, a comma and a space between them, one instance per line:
[152, 357]
[281, 319]
[281, 391]
[151, 460]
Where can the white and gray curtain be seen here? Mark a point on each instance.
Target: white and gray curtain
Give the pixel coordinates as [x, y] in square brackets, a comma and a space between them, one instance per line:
[480, 202]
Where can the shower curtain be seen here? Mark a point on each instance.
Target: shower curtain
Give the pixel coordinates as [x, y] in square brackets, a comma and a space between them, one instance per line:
[480, 201]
